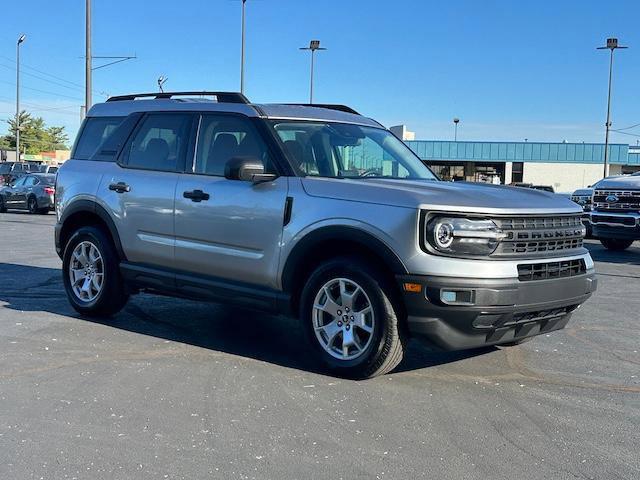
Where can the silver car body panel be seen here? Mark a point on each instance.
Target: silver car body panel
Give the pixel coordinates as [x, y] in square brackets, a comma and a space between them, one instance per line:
[235, 234]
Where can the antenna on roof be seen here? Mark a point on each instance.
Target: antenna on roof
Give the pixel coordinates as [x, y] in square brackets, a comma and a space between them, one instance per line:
[161, 81]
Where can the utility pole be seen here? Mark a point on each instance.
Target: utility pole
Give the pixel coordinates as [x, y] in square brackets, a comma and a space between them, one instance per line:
[612, 44]
[314, 45]
[242, 51]
[21, 39]
[87, 58]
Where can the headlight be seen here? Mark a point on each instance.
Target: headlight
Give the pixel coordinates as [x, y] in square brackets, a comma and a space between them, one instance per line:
[463, 236]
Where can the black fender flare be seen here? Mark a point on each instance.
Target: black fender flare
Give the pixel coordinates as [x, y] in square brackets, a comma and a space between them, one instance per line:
[94, 208]
[336, 233]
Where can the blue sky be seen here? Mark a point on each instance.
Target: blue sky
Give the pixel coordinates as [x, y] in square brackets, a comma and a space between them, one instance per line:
[509, 69]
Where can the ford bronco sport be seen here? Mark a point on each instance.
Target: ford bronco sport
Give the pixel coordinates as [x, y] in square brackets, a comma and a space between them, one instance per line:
[313, 211]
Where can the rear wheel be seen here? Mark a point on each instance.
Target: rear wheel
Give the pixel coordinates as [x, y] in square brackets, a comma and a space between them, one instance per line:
[91, 273]
[32, 205]
[349, 317]
[3, 207]
[615, 244]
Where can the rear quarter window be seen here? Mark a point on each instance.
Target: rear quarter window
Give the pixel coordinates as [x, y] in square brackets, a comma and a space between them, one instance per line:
[93, 134]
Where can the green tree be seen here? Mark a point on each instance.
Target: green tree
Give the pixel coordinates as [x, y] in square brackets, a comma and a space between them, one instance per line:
[35, 135]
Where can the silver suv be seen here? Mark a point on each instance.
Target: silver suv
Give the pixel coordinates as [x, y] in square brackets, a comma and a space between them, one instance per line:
[313, 211]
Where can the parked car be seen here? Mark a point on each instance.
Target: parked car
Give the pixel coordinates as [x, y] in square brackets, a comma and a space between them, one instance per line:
[49, 168]
[10, 171]
[278, 208]
[582, 197]
[615, 213]
[33, 192]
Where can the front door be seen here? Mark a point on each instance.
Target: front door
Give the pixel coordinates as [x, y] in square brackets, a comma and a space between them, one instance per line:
[229, 228]
[14, 196]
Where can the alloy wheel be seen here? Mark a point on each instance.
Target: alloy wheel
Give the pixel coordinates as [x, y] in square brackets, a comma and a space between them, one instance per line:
[86, 271]
[343, 319]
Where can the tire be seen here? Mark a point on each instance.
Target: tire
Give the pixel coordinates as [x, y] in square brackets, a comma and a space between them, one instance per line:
[32, 205]
[87, 299]
[615, 244]
[3, 208]
[43, 211]
[378, 337]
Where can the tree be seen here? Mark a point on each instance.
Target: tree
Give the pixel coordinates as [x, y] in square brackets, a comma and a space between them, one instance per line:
[35, 135]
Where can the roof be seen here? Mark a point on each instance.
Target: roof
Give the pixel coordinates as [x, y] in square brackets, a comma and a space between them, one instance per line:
[542, 152]
[122, 106]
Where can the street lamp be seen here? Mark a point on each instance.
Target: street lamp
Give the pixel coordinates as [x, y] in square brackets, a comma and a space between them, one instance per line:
[242, 51]
[21, 39]
[612, 44]
[314, 45]
[456, 121]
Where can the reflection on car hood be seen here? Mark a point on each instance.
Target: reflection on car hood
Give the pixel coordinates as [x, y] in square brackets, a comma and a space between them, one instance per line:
[434, 195]
[623, 182]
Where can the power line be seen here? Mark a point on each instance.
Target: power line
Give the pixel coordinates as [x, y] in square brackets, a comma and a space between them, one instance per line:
[43, 91]
[626, 133]
[41, 78]
[626, 128]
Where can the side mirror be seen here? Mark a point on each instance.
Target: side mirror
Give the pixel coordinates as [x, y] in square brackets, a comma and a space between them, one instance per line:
[247, 169]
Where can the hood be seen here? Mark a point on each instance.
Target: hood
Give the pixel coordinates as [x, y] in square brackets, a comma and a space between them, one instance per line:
[583, 192]
[627, 182]
[435, 195]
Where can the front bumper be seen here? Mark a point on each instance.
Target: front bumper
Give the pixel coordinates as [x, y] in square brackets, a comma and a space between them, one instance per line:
[499, 311]
[620, 226]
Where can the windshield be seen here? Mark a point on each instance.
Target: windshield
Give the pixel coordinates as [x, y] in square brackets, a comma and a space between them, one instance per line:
[340, 150]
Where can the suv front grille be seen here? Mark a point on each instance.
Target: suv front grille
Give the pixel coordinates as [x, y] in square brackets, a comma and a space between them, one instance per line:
[537, 236]
[617, 200]
[545, 271]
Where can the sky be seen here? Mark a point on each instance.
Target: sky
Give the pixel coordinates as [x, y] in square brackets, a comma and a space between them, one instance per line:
[510, 70]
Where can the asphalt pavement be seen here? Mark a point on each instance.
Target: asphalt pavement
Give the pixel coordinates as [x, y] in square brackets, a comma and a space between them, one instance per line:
[177, 389]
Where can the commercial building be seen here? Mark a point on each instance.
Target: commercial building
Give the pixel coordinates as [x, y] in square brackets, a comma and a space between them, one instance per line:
[564, 166]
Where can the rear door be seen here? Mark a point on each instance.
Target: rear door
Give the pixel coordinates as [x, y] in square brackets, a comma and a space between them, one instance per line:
[139, 190]
[29, 183]
[233, 230]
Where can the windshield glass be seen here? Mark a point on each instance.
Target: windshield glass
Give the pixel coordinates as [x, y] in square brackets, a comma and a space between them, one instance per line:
[340, 150]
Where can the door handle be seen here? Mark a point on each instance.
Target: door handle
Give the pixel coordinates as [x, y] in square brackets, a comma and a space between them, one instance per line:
[119, 187]
[196, 195]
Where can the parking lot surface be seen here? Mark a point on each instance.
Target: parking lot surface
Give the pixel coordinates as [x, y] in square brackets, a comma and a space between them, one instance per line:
[177, 389]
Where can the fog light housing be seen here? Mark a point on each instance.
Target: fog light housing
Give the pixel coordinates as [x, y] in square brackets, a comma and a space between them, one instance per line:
[458, 296]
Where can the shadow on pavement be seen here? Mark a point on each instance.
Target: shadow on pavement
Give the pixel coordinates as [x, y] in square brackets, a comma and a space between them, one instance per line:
[273, 339]
[631, 256]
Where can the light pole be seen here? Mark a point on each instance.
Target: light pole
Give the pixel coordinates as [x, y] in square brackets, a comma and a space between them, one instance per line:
[456, 121]
[314, 45]
[88, 57]
[242, 51]
[21, 39]
[612, 44]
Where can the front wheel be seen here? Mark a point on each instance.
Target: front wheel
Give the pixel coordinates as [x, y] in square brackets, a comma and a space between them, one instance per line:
[91, 273]
[3, 207]
[348, 313]
[615, 244]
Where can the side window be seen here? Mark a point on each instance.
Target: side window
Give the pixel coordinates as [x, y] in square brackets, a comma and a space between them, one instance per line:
[18, 168]
[93, 134]
[160, 143]
[19, 182]
[30, 181]
[222, 138]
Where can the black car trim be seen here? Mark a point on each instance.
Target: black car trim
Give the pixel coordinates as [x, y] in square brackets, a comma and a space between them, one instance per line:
[203, 287]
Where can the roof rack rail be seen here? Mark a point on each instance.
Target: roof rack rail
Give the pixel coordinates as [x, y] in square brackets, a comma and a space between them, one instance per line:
[340, 108]
[222, 97]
